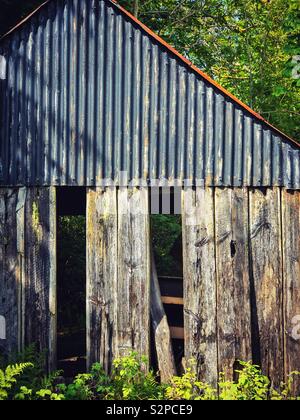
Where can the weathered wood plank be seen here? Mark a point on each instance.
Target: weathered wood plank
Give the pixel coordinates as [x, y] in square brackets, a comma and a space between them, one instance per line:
[200, 291]
[233, 298]
[40, 269]
[291, 272]
[133, 290]
[20, 216]
[101, 275]
[266, 270]
[162, 335]
[9, 270]
[52, 359]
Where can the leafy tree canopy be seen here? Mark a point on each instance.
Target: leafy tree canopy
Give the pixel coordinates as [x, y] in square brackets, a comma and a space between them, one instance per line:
[251, 47]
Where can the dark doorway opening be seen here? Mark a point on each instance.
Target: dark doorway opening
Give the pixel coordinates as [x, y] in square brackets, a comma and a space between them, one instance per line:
[71, 280]
[167, 248]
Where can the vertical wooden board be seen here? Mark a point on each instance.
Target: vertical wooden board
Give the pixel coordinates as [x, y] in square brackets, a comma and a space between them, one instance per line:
[291, 272]
[161, 330]
[52, 359]
[101, 275]
[40, 270]
[133, 290]
[199, 269]
[266, 270]
[20, 218]
[9, 270]
[233, 297]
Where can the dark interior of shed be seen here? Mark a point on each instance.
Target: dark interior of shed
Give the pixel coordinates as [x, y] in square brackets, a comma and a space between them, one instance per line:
[71, 280]
[167, 247]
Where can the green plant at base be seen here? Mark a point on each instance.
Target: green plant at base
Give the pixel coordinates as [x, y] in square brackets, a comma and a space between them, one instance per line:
[286, 390]
[42, 394]
[8, 378]
[187, 387]
[131, 379]
[251, 384]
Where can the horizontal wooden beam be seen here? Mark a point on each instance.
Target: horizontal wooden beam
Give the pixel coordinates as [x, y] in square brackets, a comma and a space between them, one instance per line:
[172, 300]
[177, 333]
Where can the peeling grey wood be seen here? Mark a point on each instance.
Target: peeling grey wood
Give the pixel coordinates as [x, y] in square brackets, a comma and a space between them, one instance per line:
[52, 358]
[162, 335]
[20, 217]
[291, 271]
[267, 285]
[2, 67]
[101, 276]
[133, 288]
[233, 298]
[200, 287]
[40, 289]
[9, 270]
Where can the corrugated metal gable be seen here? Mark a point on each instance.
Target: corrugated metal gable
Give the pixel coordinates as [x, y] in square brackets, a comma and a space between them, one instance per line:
[88, 94]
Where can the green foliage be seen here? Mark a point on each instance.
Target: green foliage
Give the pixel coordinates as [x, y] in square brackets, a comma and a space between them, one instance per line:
[26, 394]
[71, 280]
[187, 387]
[251, 385]
[8, 378]
[80, 389]
[131, 380]
[166, 229]
[32, 379]
[33, 376]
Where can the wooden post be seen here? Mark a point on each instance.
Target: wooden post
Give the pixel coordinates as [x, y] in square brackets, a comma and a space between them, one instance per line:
[200, 287]
[10, 273]
[162, 335]
[291, 272]
[133, 289]
[267, 284]
[101, 276]
[20, 216]
[233, 300]
[40, 268]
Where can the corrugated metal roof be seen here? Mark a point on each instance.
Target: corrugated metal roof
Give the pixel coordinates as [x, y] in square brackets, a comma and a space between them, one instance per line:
[90, 92]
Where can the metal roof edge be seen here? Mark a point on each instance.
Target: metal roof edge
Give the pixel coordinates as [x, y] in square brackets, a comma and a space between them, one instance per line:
[25, 19]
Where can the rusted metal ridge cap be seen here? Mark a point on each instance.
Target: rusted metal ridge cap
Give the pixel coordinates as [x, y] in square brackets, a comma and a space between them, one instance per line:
[179, 56]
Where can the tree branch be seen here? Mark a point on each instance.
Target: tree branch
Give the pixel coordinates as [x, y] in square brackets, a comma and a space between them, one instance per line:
[136, 8]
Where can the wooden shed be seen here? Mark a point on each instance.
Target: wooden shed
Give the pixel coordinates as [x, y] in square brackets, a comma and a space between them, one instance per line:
[91, 98]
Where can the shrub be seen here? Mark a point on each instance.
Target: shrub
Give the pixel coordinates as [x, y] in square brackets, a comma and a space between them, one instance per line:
[187, 387]
[132, 380]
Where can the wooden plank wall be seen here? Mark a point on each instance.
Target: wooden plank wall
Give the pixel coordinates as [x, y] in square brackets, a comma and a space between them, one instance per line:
[241, 275]
[102, 252]
[242, 280]
[291, 281]
[200, 283]
[28, 269]
[10, 281]
[233, 290]
[118, 273]
[266, 265]
[39, 295]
